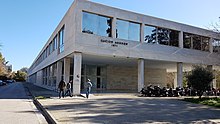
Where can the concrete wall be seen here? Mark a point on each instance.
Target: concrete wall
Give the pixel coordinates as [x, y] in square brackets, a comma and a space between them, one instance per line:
[155, 77]
[121, 78]
[126, 78]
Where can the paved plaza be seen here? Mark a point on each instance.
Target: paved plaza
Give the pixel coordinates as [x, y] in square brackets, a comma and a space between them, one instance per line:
[112, 108]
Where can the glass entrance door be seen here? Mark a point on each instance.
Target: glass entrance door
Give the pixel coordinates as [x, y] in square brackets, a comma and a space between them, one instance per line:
[97, 75]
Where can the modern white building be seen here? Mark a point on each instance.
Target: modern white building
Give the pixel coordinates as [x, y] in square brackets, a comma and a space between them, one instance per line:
[120, 50]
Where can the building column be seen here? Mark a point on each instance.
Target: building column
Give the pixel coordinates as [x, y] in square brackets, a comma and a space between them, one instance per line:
[66, 74]
[77, 72]
[179, 75]
[142, 33]
[213, 83]
[210, 45]
[59, 73]
[140, 74]
[113, 31]
[180, 39]
[175, 80]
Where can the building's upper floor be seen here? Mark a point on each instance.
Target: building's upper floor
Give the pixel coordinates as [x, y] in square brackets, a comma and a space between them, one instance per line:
[96, 20]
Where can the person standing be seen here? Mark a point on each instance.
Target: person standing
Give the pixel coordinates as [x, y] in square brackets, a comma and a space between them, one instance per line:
[88, 89]
[61, 87]
[68, 89]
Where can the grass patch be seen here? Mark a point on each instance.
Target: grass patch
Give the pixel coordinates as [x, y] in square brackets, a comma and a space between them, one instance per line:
[205, 101]
[40, 97]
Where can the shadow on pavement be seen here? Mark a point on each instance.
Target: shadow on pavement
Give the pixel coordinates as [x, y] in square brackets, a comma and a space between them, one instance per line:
[135, 110]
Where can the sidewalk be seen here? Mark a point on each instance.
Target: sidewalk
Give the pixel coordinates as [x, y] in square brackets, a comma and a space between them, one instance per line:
[124, 108]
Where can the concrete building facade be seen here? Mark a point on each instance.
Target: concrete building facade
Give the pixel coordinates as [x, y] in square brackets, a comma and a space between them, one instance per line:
[120, 50]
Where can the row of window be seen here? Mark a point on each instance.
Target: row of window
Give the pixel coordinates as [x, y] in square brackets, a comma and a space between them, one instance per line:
[49, 75]
[102, 25]
[56, 43]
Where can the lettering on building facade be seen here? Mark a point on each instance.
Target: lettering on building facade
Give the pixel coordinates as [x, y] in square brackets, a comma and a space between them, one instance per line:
[114, 43]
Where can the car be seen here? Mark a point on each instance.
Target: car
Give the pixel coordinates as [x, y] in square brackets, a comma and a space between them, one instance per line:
[9, 81]
[2, 83]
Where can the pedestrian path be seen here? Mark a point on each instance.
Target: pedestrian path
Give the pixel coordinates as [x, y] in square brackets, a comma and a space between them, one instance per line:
[127, 108]
[16, 107]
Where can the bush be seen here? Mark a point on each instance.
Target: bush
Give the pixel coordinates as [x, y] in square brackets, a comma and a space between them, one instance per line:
[200, 79]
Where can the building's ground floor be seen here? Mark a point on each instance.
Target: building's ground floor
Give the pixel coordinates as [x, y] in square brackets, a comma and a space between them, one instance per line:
[112, 74]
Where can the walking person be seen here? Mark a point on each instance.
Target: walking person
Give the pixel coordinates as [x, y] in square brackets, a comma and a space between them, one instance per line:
[89, 86]
[68, 89]
[61, 87]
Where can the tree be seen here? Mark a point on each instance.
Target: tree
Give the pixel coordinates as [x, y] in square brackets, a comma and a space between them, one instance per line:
[200, 79]
[24, 69]
[4, 69]
[215, 26]
[20, 76]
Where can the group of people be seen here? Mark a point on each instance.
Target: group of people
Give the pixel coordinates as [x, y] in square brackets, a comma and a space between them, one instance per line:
[67, 87]
[63, 86]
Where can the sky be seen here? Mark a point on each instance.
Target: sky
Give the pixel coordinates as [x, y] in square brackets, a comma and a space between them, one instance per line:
[26, 25]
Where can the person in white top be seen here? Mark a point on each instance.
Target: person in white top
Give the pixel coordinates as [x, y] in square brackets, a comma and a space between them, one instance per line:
[88, 88]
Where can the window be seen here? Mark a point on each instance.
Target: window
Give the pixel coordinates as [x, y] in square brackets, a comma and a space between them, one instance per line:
[197, 42]
[47, 51]
[51, 47]
[187, 40]
[44, 76]
[150, 34]
[205, 44]
[61, 40]
[96, 24]
[174, 38]
[127, 30]
[161, 36]
[216, 45]
[55, 43]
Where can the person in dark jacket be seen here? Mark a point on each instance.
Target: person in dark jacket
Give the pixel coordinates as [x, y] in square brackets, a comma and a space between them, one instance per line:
[62, 86]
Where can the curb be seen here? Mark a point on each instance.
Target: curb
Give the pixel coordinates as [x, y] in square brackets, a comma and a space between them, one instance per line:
[48, 116]
[50, 119]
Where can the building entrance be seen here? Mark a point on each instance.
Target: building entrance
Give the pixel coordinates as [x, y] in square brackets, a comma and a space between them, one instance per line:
[97, 75]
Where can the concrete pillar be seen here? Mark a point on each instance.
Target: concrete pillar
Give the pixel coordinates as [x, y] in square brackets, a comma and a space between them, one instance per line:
[175, 80]
[180, 74]
[140, 74]
[77, 72]
[113, 31]
[213, 83]
[142, 33]
[210, 45]
[66, 74]
[180, 39]
[191, 39]
[59, 73]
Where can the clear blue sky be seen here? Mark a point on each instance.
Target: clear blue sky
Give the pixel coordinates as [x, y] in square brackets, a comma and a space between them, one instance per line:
[26, 25]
